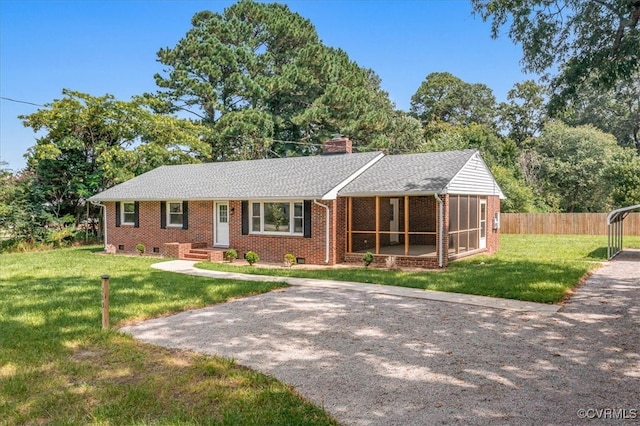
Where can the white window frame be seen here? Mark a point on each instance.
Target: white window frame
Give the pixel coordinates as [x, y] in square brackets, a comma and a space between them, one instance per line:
[174, 225]
[292, 217]
[122, 213]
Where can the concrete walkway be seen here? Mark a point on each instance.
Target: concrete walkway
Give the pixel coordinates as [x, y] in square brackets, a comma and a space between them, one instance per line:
[187, 267]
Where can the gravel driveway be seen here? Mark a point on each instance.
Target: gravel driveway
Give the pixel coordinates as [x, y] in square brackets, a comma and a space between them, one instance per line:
[372, 359]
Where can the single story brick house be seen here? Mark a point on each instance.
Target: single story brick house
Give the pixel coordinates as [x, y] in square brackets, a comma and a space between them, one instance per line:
[423, 209]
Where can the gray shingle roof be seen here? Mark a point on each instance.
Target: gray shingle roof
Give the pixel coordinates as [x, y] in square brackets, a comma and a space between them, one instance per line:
[297, 177]
[408, 174]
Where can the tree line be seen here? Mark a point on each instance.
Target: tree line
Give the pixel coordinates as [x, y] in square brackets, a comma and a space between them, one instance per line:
[255, 81]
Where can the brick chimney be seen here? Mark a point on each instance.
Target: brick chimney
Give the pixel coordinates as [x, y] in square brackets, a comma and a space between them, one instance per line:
[337, 145]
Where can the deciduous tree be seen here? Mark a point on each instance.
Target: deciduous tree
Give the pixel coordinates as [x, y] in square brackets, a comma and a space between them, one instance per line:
[23, 214]
[570, 167]
[572, 41]
[524, 113]
[615, 111]
[623, 177]
[91, 143]
[443, 97]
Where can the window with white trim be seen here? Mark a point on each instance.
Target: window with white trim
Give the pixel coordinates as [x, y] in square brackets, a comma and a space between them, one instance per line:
[277, 217]
[175, 215]
[128, 213]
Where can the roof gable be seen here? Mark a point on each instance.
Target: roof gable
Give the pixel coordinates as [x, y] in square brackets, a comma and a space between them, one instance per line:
[474, 178]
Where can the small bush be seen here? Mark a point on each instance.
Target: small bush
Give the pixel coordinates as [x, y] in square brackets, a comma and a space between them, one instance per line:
[251, 257]
[289, 260]
[141, 248]
[367, 259]
[61, 237]
[230, 255]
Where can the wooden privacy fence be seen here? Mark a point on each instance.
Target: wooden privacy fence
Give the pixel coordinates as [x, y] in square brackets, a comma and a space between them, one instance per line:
[564, 223]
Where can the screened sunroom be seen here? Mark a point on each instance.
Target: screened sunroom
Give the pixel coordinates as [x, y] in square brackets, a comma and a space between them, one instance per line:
[423, 215]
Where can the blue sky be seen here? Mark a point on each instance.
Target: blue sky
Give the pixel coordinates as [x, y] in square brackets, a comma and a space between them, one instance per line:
[100, 47]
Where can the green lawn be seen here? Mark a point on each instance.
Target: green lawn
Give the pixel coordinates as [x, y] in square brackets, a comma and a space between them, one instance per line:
[536, 268]
[58, 367]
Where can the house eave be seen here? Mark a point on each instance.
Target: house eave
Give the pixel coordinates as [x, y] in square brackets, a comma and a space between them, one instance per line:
[236, 198]
[390, 194]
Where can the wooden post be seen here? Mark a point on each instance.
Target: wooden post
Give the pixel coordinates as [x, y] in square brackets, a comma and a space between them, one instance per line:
[350, 225]
[377, 224]
[105, 302]
[406, 225]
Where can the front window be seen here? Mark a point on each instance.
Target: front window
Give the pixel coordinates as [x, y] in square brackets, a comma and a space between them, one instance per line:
[128, 213]
[298, 215]
[174, 213]
[277, 218]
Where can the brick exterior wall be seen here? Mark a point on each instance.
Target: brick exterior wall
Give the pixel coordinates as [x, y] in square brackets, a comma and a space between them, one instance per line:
[272, 248]
[339, 145]
[151, 235]
[340, 219]
[493, 235]
[408, 262]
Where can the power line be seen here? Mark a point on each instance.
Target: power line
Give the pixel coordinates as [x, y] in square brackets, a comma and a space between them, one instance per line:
[21, 102]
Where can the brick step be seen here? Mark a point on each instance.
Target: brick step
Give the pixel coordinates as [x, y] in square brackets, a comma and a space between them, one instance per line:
[206, 251]
[196, 256]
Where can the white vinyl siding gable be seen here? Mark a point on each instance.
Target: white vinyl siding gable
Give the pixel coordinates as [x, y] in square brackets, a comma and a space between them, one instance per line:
[474, 178]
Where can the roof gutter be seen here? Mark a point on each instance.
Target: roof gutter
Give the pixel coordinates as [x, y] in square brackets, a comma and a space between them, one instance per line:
[95, 203]
[440, 228]
[326, 242]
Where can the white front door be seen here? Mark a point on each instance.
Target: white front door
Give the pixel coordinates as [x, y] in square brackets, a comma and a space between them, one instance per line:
[394, 220]
[221, 231]
[483, 223]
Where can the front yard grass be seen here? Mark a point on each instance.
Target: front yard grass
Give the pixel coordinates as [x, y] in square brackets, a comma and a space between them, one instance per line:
[58, 367]
[537, 268]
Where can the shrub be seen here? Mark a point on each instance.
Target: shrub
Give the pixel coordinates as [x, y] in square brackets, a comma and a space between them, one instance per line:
[230, 255]
[141, 248]
[367, 259]
[61, 236]
[251, 257]
[289, 260]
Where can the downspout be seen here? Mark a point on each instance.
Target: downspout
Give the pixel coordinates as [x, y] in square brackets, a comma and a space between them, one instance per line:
[326, 242]
[440, 228]
[105, 221]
